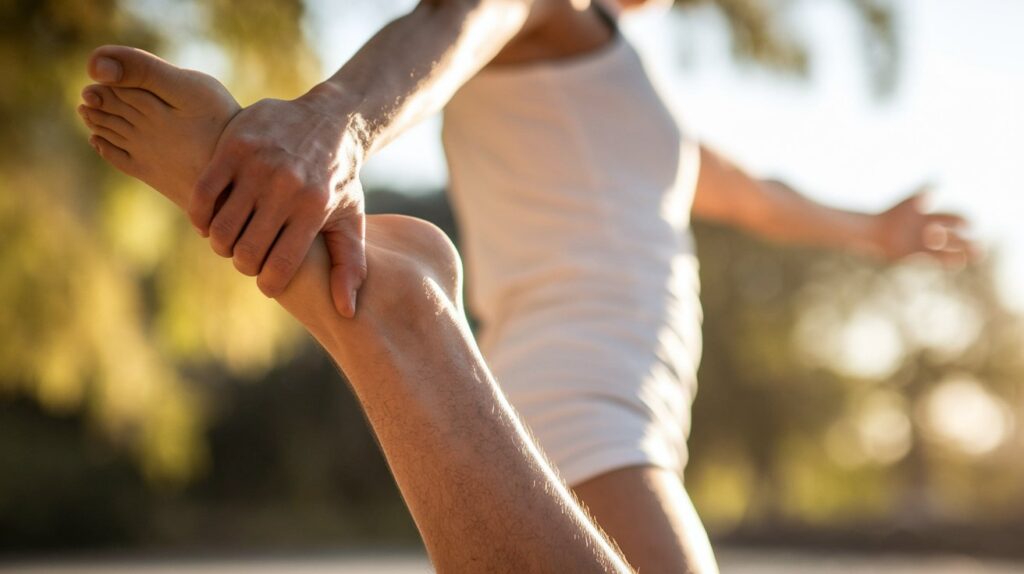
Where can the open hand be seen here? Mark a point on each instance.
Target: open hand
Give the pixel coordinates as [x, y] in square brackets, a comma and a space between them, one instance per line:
[906, 229]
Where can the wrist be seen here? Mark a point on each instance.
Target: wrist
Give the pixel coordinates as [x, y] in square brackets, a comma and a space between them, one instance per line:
[332, 98]
[871, 238]
[344, 106]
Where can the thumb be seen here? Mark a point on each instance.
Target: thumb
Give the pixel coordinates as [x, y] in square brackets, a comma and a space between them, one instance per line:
[346, 247]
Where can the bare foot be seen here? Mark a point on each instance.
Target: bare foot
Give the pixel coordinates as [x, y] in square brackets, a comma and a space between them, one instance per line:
[152, 120]
[160, 124]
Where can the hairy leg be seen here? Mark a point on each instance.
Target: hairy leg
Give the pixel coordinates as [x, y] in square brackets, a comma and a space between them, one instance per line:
[481, 493]
[646, 510]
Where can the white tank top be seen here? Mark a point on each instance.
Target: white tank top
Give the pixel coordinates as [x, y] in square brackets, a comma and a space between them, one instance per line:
[572, 184]
[577, 161]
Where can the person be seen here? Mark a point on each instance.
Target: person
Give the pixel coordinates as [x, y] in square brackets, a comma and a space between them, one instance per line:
[573, 184]
[481, 493]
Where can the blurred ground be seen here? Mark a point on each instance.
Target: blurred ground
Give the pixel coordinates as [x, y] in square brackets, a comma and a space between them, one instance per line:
[732, 562]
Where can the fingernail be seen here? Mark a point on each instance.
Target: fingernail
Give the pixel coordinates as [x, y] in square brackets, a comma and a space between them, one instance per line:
[92, 98]
[108, 70]
[353, 302]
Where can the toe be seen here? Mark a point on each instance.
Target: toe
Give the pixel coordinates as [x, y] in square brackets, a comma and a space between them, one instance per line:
[113, 137]
[116, 156]
[127, 67]
[146, 103]
[99, 118]
[105, 99]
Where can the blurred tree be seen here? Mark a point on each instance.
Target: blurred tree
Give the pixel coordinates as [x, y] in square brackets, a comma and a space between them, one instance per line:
[110, 296]
[853, 392]
[762, 33]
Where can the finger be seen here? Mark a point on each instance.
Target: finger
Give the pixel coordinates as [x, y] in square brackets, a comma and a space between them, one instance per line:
[285, 257]
[255, 242]
[948, 219]
[212, 183]
[960, 244]
[955, 242]
[229, 222]
[346, 246]
[934, 237]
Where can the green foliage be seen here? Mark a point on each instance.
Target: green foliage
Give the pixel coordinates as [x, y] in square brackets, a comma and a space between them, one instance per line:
[111, 298]
[269, 55]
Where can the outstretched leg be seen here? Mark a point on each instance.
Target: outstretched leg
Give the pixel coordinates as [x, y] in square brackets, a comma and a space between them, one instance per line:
[481, 493]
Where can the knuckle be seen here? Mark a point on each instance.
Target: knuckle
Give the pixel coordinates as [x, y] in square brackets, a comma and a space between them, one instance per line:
[222, 238]
[269, 285]
[242, 144]
[287, 178]
[275, 275]
[281, 265]
[220, 248]
[264, 102]
[223, 228]
[314, 197]
[244, 265]
[247, 253]
[205, 190]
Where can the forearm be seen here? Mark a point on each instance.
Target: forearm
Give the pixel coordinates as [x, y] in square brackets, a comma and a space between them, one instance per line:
[414, 65]
[729, 195]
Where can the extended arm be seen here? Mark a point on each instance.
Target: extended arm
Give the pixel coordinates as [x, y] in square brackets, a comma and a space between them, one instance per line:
[774, 211]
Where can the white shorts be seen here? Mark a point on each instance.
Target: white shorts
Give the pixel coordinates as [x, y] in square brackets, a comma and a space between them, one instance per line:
[601, 386]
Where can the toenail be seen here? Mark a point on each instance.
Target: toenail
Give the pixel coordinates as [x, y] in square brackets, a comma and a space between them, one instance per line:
[93, 99]
[108, 70]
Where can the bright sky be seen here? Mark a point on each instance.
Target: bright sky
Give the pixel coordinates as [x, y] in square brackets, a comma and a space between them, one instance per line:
[955, 119]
